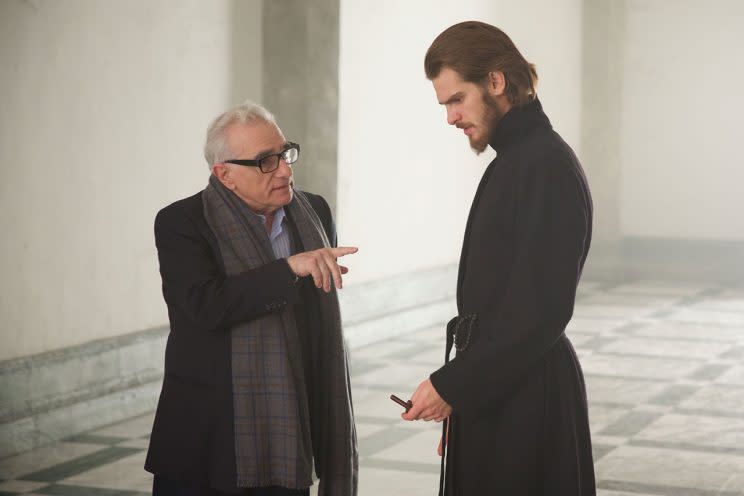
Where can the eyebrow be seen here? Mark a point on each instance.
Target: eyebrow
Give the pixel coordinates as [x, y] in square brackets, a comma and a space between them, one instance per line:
[456, 96]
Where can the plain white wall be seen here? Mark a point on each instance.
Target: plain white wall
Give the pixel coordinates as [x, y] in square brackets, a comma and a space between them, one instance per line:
[682, 172]
[102, 118]
[406, 179]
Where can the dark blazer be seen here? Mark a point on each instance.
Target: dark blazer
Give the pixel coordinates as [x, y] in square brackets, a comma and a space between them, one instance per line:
[193, 436]
[520, 423]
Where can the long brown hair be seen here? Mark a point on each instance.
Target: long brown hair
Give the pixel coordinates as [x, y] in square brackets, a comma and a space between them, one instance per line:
[473, 49]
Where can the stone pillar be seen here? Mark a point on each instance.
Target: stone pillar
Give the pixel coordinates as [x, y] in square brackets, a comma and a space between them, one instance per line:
[602, 99]
[300, 85]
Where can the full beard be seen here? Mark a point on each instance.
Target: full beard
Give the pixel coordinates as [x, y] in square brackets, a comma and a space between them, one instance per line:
[491, 115]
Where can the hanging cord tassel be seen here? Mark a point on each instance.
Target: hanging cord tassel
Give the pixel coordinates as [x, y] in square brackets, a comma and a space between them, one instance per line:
[451, 328]
[459, 333]
[443, 468]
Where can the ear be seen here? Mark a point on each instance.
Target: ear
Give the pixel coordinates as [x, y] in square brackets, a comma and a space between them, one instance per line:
[222, 172]
[496, 83]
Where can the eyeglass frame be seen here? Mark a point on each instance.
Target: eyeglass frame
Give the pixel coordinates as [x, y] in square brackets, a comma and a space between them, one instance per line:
[256, 162]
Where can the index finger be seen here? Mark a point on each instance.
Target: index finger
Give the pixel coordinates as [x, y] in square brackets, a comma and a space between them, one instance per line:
[344, 250]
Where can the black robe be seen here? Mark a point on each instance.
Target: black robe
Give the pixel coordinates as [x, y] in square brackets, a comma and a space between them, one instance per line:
[520, 423]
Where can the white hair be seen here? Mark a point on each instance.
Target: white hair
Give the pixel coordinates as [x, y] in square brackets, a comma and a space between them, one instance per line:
[215, 147]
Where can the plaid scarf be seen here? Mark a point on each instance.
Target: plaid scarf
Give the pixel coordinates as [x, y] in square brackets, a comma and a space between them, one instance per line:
[278, 429]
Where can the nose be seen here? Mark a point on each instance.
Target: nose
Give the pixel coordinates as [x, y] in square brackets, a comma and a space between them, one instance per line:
[284, 169]
[452, 116]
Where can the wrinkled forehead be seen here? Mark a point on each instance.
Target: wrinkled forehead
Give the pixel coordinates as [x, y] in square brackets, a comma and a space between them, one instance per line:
[248, 141]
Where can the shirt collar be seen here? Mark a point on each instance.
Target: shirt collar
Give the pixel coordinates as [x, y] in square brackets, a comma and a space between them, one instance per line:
[278, 225]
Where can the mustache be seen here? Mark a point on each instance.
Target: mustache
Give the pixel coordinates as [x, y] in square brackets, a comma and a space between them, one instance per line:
[463, 125]
[282, 185]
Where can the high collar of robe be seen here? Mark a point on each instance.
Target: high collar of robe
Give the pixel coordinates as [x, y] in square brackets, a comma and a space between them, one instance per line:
[517, 124]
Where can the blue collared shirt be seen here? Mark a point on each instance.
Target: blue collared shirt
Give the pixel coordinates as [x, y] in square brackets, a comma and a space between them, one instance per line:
[279, 235]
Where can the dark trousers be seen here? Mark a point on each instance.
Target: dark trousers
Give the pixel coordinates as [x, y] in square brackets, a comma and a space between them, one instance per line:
[165, 487]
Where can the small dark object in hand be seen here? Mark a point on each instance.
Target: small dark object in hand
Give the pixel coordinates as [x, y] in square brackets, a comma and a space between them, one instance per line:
[405, 404]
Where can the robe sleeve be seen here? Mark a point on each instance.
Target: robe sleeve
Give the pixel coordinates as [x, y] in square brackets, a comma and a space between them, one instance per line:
[551, 224]
[194, 285]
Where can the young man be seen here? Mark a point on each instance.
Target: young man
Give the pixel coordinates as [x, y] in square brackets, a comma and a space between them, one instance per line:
[256, 388]
[514, 393]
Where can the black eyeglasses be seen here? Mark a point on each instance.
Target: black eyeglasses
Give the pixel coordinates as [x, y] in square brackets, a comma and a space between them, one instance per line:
[270, 163]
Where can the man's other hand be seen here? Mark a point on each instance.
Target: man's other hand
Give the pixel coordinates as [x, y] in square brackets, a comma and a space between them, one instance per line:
[321, 265]
[427, 404]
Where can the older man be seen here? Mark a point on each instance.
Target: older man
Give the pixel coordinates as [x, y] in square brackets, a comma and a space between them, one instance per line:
[514, 392]
[256, 387]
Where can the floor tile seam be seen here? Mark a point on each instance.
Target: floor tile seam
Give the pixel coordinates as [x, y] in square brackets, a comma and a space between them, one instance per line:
[632, 324]
[393, 427]
[96, 448]
[710, 372]
[400, 466]
[383, 441]
[440, 326]
[80, 464]
[694, 412]
[428, 366]
[570, 333]
[638, 312]
[398, 355]
[736, 355]
[722, 325]
[656, 380]
[626, 318]
[374, 420]
[674, 410]
[384, 387]
[658, 489]
[605, 448]
[433, 366]
[686, 447]
[673, 397]
[724, 385]
[732, 477]
[393, 360]
[676, 358]
[606, 441]
[596, 343]
[650, 294]
[613, 404]
[733, 341]
[577, 315]
[150, 414]
[413, 340]
[688, 287]
[609, 294]
[682, 339]
[631, 423]
[95, 439]
[61, 489]
[43, 486]
[399, 311]
[361, 370]
[728, 311]
[704, 359]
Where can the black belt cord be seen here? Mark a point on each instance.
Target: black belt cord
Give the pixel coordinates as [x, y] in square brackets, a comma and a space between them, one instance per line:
[451, 326]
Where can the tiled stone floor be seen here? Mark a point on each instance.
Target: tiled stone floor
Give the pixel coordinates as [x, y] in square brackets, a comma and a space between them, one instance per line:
[664, 365]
